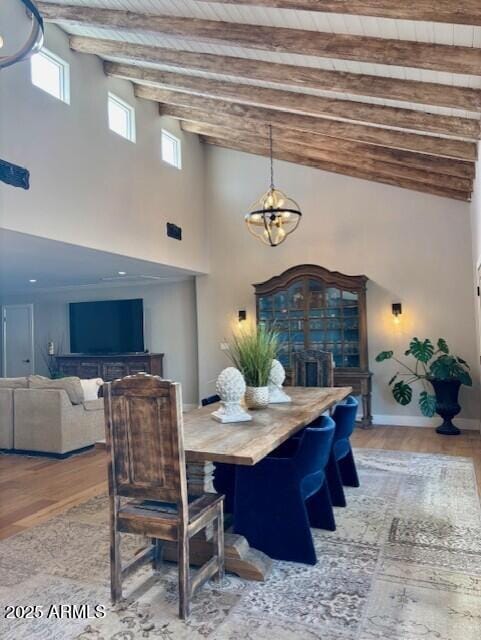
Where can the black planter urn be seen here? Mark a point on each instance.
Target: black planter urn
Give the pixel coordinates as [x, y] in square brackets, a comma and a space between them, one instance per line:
[447, 405]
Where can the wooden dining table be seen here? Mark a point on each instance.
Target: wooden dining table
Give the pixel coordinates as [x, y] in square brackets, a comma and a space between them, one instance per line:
[207, 441]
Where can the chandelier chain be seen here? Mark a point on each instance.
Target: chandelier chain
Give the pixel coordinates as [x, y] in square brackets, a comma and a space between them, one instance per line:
[272, 156]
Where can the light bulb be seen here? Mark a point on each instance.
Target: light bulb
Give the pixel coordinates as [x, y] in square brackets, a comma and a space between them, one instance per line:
[269, 202]
[2, 42]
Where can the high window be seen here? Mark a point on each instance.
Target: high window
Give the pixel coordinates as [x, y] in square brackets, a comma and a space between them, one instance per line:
[171, 149]
[121, 117]
[51, 74]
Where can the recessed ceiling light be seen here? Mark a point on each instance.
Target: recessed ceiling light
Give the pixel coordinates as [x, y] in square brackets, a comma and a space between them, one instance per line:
[32, 280]
[122, 273]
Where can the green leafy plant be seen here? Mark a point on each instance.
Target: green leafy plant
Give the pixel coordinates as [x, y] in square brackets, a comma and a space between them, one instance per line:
[253, 352]
[431, 362]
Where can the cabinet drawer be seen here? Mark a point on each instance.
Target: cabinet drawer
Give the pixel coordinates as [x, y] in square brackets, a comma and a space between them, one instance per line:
[139, 366]
[355, 384]
[88, 370]
[68, 370]
[113, 370]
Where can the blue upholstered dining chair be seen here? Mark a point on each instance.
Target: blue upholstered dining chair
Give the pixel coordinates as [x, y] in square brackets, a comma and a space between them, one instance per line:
[210, 400]
[280, 498]
[341, 468]
[224, 474]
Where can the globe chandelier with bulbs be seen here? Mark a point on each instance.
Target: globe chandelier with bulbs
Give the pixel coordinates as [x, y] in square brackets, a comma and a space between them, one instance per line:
[33, 42]
[274, 216]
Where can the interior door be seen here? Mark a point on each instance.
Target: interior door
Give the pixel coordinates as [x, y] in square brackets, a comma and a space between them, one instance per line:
[17, 340]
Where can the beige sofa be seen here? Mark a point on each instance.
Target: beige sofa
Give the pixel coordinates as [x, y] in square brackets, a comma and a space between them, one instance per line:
[46, 420]
[7, 387]
[6, 418]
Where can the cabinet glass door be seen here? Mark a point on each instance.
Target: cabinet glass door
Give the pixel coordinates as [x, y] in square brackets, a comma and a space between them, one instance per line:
[311, 314]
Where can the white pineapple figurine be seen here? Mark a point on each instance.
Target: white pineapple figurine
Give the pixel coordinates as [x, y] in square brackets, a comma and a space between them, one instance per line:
[231, 387]
[276, 380]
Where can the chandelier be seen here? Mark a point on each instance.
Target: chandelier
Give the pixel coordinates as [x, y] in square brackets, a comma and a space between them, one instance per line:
[274, 216]
[34, 40]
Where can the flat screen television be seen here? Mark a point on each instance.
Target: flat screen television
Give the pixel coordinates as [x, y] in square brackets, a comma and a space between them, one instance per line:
[106, 327]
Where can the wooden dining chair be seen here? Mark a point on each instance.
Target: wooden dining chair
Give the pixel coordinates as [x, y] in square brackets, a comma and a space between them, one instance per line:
[148, 482]
[312, 368]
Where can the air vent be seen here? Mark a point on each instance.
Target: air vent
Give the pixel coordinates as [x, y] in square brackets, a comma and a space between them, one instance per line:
[173, 231]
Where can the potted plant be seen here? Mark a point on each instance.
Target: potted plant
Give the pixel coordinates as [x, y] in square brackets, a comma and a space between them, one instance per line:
[252, 353]
[434, 367]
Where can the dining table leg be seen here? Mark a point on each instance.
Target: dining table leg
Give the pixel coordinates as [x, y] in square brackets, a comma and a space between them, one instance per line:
[240, 558]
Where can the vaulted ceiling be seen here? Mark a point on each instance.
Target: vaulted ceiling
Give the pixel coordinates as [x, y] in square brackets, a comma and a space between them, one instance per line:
[382, 90]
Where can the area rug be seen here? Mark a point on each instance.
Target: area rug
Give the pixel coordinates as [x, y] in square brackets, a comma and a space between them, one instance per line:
[404, 564]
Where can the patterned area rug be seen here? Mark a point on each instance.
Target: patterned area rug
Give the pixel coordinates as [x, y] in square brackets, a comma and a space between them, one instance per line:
[404, 564]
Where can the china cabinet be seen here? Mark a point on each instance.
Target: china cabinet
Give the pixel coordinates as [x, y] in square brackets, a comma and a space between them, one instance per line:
[314, 308]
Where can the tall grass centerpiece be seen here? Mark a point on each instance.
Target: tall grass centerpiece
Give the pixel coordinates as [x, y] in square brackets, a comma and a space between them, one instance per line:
[252, 352]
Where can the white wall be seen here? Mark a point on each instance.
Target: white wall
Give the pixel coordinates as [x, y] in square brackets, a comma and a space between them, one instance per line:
[415, 248]
[169, 319]
[90, 186]
[476, 242]
[476, 216]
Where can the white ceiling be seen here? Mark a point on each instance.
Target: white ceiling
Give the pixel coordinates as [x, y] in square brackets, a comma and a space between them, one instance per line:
[58, 265]
[316, 21]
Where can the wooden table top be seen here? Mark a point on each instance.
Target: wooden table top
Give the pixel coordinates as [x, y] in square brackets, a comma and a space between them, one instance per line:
[248, 442]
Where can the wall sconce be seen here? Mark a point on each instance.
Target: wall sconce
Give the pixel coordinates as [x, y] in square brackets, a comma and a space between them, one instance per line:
[397, 311]
[242, 315]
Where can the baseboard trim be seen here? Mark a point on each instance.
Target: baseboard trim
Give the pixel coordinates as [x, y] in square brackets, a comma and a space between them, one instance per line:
[471, 424]
[47, 454]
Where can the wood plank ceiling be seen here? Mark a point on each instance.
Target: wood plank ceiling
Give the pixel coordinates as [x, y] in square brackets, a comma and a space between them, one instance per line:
[381, 90]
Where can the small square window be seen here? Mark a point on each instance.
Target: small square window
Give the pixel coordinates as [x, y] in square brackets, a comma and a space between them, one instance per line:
[51, 74]
[171, 149]
[121, 118]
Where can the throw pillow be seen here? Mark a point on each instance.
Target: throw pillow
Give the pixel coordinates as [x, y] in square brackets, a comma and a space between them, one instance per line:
[71, 386]
[91, 388]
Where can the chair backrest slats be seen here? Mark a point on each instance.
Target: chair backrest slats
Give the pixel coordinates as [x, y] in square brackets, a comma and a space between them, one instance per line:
[145, 438]
[312, 368]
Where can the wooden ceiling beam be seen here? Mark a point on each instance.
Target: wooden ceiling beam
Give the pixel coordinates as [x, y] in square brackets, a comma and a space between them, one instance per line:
[300, 102]
[426, 93]
[453, 12]
[438, 190]
[335, 128]
[209, 125]
[438, 57]
[424, 176]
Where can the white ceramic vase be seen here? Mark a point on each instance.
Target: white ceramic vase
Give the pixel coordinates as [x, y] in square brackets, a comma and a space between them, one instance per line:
[257, 397]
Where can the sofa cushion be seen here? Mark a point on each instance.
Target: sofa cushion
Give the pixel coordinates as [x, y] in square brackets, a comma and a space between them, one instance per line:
[71, 386]
[13, 383]
[91, 388]
[94, 405]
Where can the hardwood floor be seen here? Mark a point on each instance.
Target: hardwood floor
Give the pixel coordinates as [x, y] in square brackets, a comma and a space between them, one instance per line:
[34, 489]
[422, 440]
